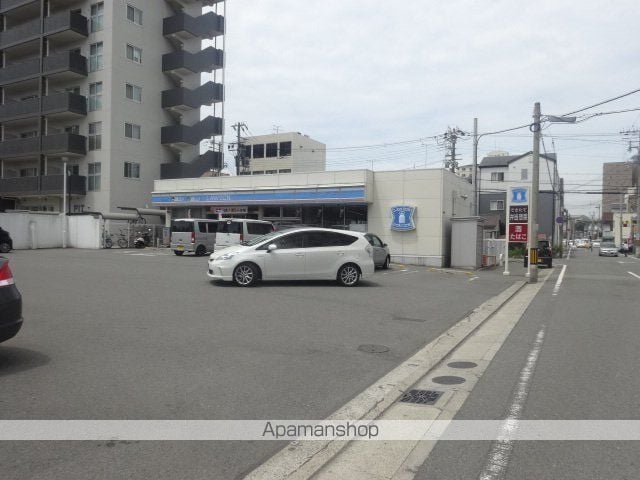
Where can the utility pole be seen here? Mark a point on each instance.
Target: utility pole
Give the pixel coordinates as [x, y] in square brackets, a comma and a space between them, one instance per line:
[474, 173]
[239, 127]
[533, 200]
[450, 138]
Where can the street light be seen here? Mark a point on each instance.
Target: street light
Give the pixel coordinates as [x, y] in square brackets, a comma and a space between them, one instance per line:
[64, 202]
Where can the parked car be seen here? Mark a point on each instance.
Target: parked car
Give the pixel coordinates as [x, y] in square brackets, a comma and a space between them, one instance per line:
[10, 303]
[381, 255]
[6, 244]
[195, 235]
[608, 249]
[234, 231]
[595, 244]
[297, 254]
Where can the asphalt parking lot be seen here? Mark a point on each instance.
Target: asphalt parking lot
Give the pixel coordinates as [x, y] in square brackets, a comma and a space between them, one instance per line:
[143, 334]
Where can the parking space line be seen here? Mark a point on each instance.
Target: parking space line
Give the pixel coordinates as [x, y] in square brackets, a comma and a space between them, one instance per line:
[635, 275]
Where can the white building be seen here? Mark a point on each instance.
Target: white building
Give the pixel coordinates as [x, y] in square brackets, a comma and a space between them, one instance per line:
[290, 152]
[113, 89]
[359, 200]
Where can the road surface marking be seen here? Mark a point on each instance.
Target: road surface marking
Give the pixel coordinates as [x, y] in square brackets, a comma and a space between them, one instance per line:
[496, 467]
[631, 273]
[556, 289]
[473, 278]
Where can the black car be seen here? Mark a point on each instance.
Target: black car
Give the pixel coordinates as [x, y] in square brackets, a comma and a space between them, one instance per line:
[6, 244]
[10, 303]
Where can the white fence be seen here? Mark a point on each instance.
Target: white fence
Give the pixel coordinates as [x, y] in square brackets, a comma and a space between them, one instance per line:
[493, 251]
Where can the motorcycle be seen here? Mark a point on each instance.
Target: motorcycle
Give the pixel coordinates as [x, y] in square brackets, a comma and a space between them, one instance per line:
[142, 240]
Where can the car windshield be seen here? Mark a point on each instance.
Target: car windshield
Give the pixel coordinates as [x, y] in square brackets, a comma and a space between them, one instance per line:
[260, 239]
[608, 245]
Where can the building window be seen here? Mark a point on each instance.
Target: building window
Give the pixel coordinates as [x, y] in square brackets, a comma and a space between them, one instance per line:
[132, 130]
[94, 176]
[524, 174]
[73, 169]
[29, 172]
[97, 16]
[497, 176]
[131, 170]
[258, 172]
[75, 129]
[74, 90]
[272, 150]
[29, 134]
[95, 57]
[270, 172]
[134, 54]
[95, 136]
[134, 14]
[284, 170]
[133, 92]
[95, 96]
[258, 151]
[285, 149]
[496, 205]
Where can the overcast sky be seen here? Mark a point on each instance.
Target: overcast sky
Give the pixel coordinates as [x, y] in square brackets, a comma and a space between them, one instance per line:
[389, 77]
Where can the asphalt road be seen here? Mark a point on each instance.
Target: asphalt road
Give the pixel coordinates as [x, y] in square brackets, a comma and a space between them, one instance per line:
[587, 369]
[125, 334]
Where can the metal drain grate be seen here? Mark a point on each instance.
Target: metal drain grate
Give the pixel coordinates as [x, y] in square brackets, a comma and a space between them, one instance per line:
[422, 397]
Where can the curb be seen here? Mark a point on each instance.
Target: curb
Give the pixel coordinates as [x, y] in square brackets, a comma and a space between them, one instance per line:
[301, 460]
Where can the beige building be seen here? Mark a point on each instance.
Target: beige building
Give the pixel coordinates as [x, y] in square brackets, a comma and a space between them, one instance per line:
[112, 89]
[290, 152]
[410, 210]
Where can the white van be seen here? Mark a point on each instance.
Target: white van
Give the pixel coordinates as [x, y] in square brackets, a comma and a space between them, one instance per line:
[233, 231]
[195, 235]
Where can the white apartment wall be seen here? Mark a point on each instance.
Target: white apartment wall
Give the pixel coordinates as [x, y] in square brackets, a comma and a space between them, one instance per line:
[513, 174]
[117, 109]
[307, 155]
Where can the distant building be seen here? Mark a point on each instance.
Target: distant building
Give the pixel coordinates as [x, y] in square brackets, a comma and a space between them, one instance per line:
[290, 152]
[497, 173]
[619, 180]
[465, 171]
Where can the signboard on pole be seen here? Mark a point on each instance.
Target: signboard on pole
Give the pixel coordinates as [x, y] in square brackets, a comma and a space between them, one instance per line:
[518, 232]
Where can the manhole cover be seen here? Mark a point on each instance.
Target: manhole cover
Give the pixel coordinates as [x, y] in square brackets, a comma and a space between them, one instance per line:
[373, 348]
[423, 397]
[448, 380]
[462, 365]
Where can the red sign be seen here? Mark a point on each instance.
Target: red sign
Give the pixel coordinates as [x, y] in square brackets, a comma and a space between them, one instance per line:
[518, 232]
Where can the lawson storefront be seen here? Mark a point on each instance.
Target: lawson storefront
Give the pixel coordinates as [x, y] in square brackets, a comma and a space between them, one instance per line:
[420, 201]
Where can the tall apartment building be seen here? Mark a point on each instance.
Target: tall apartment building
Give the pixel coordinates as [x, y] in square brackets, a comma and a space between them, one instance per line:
[110, 88]
[619, 181]
[290, 152]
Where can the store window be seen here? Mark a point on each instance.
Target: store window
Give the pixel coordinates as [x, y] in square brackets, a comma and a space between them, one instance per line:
[272, 150]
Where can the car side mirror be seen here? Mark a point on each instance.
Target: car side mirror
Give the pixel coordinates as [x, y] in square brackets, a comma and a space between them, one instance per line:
[272, 247]
[385, 245]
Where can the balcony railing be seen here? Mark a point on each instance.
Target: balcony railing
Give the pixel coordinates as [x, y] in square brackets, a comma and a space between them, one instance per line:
[56, 103]
[208, 25]
[17, 72]
[45, 185]
[203, 61]
[66, 21]
[193, 134]
[204, 163]
[6, 5]
[62, 143]
[205, 94]
[65, 62]
[20, 34]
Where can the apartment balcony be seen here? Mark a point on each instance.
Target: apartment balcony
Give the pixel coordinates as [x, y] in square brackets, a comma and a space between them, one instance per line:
[66, 26]
[56, 104]
[191, 135]
[69, 65]
[186, 63]
[25, 32]
[184, 99]
[45, 185]
[8, 5]
[186, 27]
[184, 3]
[204, 163]
[54, 185]
[68, 144]
[18, 72]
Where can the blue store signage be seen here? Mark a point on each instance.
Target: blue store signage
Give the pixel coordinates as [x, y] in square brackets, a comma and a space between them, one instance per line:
[519, 196]
[402, 218]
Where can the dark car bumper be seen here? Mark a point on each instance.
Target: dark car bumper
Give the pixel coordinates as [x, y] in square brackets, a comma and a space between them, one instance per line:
[10, 312]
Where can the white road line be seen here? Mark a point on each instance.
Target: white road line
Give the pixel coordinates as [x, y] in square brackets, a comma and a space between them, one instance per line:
[496, 466]
[556, 289]
[637, 276]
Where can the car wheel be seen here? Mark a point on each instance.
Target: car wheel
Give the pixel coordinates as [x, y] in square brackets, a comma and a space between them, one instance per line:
[178, 252]
[348, 275]
[245, 275]
[5, 247]
[200, 251]
[386, 263]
